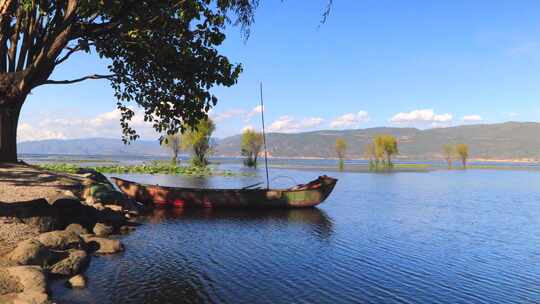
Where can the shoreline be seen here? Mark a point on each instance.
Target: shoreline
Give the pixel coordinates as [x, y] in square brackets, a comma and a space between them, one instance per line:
[51, 224]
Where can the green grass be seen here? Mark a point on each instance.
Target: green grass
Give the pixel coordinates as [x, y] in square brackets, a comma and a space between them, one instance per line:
[152, 168]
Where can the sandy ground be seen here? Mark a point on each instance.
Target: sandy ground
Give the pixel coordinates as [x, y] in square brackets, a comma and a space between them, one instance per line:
[20, 183]
[23, 183]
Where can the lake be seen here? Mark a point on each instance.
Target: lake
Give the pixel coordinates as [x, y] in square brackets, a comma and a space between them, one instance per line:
[432, 237]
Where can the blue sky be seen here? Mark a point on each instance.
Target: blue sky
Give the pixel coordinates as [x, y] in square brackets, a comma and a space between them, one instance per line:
[374, 63]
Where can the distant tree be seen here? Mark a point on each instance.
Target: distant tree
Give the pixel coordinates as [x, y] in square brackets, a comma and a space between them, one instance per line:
[388, 145]
[371, 155]
[198, 140]
[251, 147]
[462, 151]
[172, 143]
[341, 149]
[448, 152]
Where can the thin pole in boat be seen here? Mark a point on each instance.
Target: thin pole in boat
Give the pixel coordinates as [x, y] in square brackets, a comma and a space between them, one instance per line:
[264, 140]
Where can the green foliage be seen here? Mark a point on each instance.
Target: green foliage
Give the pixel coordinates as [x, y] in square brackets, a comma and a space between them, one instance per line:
[173, 143]
[197, 139]
[462, 151]
[164, 54]
[252, 143]
[341, 149]
[380, 152]
[155, 167]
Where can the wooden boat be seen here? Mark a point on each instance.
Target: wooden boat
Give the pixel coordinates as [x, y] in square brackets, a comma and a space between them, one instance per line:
[306, 195]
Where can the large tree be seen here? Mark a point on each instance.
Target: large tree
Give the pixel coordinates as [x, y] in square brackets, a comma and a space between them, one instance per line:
[198, 140]
[163, 55]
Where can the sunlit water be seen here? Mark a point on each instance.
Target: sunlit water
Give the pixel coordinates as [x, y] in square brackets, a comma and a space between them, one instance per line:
[439, 237]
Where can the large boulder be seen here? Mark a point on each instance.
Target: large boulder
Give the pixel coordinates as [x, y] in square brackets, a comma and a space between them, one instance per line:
[101, 245]
[29, 252]
[102, 192]
[8, 283]
[75, 261]
[103, 230]
[60, 240]
[92, 175]
[32, 286]
[76, 228]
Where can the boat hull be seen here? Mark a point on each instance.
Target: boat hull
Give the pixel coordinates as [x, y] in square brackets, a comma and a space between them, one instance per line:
[310, 195]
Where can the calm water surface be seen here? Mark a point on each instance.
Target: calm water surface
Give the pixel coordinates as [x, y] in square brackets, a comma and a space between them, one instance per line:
[438, 237]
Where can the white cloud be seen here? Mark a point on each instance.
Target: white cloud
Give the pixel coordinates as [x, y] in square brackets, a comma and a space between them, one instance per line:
[472, 118]
[311, 122]
[350, 120]
[27, 132]
[425, 116]
[283, 124]
[243, 114]
[103, 125]
[219, 117]
[248, 128]
[290, 124]
[255, 111]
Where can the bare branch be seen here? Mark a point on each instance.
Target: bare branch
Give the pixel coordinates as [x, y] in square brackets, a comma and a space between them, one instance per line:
[70, 52]
[95, 76]
[326, 13]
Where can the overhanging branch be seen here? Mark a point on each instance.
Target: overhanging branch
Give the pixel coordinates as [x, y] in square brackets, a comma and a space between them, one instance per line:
[95, 76]
[72, 50]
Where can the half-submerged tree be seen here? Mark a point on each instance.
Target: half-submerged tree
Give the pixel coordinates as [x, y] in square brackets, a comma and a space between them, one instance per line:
[448, 153]
[173, 143]
[380, 152]
[389, 146]
[341, 149]
[198, 140]
[462, 151]
[371, 155]
[252, 143]
[163, 55]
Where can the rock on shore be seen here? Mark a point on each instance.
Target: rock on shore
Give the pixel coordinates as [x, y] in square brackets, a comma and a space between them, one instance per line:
[30, 285]
[45, 220]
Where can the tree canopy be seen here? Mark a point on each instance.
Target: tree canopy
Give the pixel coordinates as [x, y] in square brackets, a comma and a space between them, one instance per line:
[341, 149]
[380, 151]
[173, 142]
[198, 140]
[163, 55]
[388, 144]
[462, 151]
[448, 153]
[251, 146]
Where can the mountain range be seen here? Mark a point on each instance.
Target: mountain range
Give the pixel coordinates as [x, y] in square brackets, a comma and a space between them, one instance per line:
[510, 140]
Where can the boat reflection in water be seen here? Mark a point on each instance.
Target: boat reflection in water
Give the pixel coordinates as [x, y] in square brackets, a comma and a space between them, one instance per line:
[316, 220]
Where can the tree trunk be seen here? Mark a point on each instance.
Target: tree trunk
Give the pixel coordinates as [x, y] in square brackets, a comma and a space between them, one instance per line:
[9, 119]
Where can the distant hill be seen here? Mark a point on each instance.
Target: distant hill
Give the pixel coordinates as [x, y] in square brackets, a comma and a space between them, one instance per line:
[511, 140]
[91, 146]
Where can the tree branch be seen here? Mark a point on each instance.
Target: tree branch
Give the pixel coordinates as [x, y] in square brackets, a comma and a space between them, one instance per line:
[327, 11]
[95, 76]
[72, 50]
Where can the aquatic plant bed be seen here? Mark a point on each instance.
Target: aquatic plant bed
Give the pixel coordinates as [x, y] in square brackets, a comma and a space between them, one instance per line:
[152, 168]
